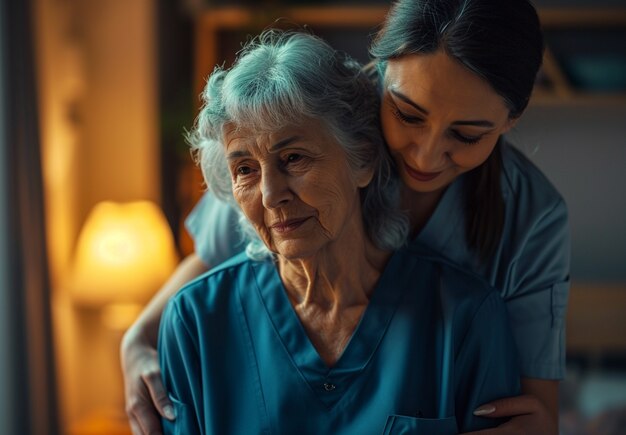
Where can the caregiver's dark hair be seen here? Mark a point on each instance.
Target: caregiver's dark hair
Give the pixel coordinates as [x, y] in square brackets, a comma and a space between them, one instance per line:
[498, 40]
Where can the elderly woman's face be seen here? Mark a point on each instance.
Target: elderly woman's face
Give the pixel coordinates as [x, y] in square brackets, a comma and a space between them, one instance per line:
[439, 119]
[295, 186]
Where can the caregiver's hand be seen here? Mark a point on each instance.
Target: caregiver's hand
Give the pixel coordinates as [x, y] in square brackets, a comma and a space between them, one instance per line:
[528, 416]
[146, 397]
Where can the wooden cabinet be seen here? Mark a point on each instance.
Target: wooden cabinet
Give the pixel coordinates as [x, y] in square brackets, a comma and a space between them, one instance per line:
[220, 31]
[585, 57]
[215, 26]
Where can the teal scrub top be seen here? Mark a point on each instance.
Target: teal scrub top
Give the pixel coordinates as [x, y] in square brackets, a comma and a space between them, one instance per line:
[433, 344]
[530, 268]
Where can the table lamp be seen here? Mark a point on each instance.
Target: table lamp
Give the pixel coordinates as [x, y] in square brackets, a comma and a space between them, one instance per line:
[125, 252]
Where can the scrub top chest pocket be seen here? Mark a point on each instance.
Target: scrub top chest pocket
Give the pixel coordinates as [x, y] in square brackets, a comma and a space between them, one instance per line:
[405, 425]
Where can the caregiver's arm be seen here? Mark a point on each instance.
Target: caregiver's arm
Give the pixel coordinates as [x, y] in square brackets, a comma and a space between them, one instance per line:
[178, 355]
[145, 396]
[486, 365]
[537, 314]
[545, 390]
[534, 412]
[213, 226]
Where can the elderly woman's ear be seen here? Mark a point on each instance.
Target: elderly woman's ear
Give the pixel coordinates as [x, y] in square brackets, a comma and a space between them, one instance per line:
[363, 176]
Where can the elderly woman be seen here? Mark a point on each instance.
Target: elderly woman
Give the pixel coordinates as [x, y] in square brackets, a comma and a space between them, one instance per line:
[318, 327]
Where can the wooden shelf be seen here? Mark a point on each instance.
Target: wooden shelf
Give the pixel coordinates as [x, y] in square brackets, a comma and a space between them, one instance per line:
[211, 22]
[595, 319]
[214, 20]
[580, 99]
[582, 17]
[561, 90]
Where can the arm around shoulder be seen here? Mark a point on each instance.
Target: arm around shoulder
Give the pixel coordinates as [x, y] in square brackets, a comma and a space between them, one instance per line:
[486, 366]
[537, 300]
[146, 398]
[147, 324]
[214, 226]
[180, 362]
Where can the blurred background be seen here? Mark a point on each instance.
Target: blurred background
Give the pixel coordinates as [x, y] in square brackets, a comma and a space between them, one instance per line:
[95, 97]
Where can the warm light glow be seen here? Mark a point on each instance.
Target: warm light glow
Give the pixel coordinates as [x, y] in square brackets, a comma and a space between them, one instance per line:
[125, 252]
[119, 317]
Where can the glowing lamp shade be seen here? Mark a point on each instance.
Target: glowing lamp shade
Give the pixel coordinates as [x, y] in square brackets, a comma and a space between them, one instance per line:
[124, 254]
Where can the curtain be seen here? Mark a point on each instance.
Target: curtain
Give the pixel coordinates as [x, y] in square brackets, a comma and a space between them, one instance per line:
[27, 373]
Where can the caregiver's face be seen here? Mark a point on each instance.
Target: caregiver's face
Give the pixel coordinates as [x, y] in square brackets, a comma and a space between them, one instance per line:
[439, 119]
[294, 185]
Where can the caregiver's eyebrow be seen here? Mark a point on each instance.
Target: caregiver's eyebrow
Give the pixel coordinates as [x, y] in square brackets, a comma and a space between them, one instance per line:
[471, 122]
[408, 101]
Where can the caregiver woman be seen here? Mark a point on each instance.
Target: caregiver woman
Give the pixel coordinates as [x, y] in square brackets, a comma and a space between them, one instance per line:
[454, 77]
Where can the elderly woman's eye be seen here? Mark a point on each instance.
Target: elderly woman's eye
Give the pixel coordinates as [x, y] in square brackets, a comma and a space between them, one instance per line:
[244, 170]
[293, 157]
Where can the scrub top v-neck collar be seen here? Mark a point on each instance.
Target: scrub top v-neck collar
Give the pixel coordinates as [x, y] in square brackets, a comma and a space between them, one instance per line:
[440, 227]
[330, 384]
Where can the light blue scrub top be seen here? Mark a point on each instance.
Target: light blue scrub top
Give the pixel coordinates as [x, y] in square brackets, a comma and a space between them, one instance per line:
[530, 268]
[236, 359]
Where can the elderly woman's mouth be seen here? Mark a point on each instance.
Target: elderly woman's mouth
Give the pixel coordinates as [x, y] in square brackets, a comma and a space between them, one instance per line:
[288, 225]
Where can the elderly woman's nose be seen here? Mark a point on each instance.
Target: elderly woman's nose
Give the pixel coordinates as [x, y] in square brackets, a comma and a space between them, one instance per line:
[275, 189]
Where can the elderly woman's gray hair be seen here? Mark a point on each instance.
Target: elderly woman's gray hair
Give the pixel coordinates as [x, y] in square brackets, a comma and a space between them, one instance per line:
[283, 78]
